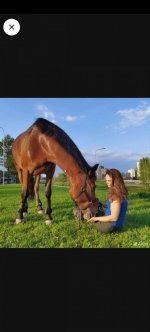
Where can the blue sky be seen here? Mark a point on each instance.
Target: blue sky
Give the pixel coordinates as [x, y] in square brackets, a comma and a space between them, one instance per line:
[121, 125]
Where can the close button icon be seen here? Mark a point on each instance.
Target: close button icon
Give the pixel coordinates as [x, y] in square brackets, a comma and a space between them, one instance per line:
[11, 27]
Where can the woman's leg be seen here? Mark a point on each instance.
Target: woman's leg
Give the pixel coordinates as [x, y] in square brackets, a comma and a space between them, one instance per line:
[104, 227]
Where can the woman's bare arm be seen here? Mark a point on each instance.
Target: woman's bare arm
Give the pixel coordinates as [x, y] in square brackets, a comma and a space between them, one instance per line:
[115, 210]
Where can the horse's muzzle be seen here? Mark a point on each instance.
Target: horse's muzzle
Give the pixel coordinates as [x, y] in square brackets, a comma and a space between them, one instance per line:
[91, 212]
[94, 212]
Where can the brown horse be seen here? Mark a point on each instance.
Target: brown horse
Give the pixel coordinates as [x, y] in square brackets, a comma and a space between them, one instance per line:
[38, 150]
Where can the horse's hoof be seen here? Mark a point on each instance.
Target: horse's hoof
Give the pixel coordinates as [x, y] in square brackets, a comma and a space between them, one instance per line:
[40, 211]
[19, 221]
[49, 222]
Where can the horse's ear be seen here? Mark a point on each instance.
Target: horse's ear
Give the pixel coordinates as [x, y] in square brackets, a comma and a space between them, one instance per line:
[93, 170]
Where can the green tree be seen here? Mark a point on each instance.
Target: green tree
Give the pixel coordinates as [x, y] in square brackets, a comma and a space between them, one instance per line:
[144, 168]
[61, 178]
[8, 162]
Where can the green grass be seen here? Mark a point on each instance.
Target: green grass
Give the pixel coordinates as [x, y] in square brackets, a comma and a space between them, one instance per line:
[64, 233]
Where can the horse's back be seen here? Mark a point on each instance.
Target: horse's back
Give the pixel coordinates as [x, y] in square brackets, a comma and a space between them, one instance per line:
[27, 149]
[20, 146]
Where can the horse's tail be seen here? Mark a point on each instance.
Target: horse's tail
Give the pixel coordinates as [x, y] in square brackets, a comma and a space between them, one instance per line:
[31, 183]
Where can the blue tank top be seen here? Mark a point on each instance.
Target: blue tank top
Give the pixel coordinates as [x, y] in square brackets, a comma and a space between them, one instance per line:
[121, 218]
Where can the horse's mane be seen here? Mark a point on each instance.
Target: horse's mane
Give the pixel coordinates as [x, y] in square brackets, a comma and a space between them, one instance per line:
[50, 129]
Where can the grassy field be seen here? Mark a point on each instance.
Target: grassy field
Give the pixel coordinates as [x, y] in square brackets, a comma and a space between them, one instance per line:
[64, 233]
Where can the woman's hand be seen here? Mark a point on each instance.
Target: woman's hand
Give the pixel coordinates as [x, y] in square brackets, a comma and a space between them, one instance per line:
[93, 219]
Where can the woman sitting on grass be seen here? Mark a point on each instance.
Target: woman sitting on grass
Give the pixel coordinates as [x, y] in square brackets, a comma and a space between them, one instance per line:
[116, 204]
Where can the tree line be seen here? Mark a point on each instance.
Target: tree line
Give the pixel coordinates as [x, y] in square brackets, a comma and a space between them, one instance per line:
[144, 171]
[10, 170]
[144, 163]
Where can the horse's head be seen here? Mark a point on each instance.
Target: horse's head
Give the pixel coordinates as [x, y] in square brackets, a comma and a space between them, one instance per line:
[83, 193]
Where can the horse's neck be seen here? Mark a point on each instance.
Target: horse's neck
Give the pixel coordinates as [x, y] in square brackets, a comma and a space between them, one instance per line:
[67, 163]
[76, 179]
[73, 172]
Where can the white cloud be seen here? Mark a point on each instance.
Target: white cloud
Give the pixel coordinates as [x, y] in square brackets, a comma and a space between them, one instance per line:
[115, 159]
[133, 116]
[72, 118]
[46, 113]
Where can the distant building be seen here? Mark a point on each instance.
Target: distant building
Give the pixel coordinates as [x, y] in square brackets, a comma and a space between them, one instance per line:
[131, 172]
[100, 173]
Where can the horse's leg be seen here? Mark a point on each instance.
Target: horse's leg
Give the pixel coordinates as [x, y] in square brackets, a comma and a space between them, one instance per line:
[21, 181]
[24, 195]
[49, 176]
[25, 208]
[20, 176]
[36, 190]
[19, 171]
